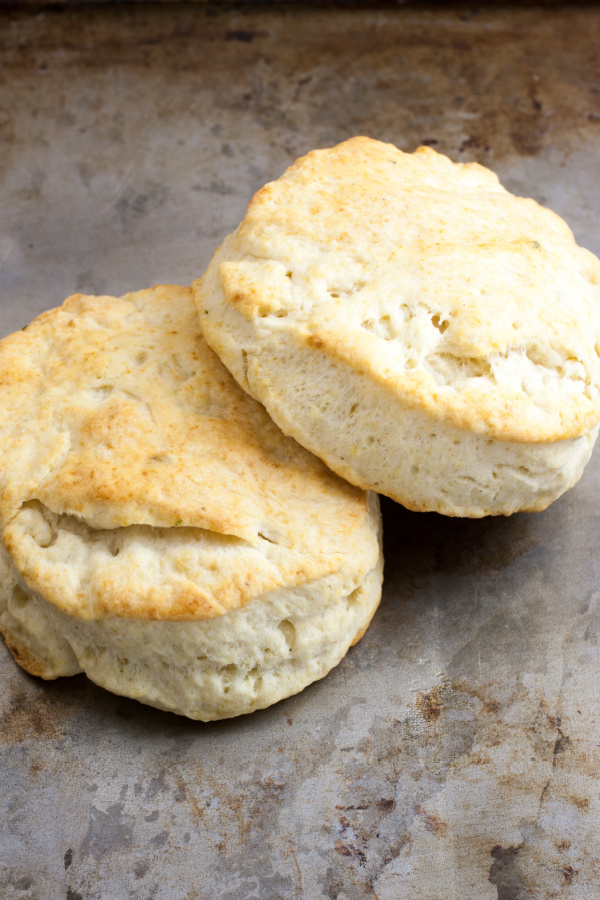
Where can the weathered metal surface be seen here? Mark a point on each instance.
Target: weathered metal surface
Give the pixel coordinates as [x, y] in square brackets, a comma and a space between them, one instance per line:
[454, 754]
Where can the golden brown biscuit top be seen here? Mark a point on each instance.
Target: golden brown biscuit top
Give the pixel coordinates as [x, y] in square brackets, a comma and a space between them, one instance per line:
[473, 303]
[115, 414]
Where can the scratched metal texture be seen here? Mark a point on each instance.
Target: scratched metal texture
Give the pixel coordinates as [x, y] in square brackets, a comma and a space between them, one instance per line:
[454, 754]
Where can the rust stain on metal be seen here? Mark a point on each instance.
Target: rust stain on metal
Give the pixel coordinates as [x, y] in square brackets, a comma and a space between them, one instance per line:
[186, 794]
[32, 717]
[342, 849]
[35, 768]
[298, 890]
[272, 787]
[429, 705]
[489, 703]
[432, 822]
[568, 873]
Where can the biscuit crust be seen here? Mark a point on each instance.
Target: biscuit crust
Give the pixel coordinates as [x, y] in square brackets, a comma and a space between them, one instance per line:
[116, 414]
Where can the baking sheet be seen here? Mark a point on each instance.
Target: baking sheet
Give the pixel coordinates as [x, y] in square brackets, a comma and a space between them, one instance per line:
[454, 753]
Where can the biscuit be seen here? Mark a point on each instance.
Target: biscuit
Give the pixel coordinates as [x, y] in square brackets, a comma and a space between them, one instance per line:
[424, 332]
[159, 532]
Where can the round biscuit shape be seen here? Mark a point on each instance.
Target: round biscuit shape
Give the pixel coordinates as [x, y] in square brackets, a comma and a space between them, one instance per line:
[159, 532]
[427, 334]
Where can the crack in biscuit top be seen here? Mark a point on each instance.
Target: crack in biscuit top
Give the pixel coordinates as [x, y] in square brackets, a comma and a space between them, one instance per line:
[474, 304]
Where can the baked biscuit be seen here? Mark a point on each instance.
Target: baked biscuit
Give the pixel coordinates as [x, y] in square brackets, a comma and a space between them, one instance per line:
[424, 332]
[159, 532]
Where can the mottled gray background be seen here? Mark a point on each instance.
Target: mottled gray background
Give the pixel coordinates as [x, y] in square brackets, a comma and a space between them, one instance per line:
[454, 754]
